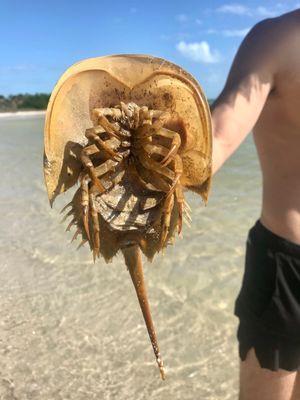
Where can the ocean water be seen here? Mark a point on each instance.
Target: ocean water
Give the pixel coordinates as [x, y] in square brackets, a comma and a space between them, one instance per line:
[70, 329]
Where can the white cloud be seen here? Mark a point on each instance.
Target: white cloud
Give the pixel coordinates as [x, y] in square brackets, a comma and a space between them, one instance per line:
[165, 37]
[199, 52]
[265, 12]
[175, 37]
[17, 68]
[211, 31]
[214, 77]
[234, 8]
[182, 35]
[228, 32]
[259, 12]
[181, 18]
[235, 32]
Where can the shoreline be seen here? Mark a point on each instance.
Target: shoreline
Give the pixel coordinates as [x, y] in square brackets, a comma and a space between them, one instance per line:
[22, 114]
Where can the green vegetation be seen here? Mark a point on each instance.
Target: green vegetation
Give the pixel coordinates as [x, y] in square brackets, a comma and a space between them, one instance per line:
[25, 101]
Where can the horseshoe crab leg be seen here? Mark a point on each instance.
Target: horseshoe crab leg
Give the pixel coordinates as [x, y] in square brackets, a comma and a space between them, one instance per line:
[133, 260]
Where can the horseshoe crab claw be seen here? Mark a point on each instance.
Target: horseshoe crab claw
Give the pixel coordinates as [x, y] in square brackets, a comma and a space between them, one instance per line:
[133, 131]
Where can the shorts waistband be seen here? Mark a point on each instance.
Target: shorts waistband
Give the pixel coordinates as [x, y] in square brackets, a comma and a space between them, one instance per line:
[274, 241]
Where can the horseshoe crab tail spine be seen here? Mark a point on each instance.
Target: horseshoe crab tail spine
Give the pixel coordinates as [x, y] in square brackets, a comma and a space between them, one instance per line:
[133, 260]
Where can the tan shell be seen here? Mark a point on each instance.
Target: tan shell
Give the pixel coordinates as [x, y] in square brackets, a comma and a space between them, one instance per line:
[142, 79]
[141, 209]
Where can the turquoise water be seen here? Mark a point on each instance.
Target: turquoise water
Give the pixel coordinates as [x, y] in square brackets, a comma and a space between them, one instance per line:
[70, 329]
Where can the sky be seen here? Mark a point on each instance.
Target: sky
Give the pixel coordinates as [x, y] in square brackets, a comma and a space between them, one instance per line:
[41, 39]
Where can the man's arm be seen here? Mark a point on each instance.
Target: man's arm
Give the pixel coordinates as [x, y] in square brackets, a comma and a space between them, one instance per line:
[248, 85]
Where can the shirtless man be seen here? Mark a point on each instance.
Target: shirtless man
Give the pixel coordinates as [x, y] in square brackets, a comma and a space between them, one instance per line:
[262, 93]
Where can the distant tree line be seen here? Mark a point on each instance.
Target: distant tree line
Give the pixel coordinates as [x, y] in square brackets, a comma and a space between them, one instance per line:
[25, 101]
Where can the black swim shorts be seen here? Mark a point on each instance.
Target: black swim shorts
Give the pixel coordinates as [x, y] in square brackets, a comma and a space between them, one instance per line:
[268, 305]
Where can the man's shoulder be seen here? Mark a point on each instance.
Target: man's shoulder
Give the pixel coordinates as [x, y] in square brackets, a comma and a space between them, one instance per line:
[282, 28]
[275, 41]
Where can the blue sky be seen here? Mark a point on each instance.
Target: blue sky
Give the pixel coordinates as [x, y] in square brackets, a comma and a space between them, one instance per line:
[40, 39]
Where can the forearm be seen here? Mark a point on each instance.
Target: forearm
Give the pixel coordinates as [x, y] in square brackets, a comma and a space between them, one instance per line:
[219, 156]
[228, 133]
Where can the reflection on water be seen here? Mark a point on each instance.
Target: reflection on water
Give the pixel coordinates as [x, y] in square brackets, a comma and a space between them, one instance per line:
[70, 329]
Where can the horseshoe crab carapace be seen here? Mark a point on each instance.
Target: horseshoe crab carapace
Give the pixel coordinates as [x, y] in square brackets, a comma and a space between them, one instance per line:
[133, 131]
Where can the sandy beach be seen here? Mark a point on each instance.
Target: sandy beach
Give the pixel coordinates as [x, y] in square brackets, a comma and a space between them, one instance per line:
[22, 114]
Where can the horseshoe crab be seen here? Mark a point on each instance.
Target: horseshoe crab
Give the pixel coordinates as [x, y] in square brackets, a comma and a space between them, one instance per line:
[133, 131]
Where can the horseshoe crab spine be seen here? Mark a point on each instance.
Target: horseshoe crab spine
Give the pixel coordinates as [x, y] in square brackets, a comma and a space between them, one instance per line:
[133, 260]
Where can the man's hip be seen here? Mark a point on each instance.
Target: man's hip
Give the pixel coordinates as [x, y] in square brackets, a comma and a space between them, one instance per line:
[268, 304]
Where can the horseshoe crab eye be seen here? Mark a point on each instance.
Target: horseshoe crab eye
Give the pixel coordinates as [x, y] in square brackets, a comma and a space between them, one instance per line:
[132, 132]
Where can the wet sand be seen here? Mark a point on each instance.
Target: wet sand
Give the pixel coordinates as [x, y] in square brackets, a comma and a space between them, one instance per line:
[22, 114]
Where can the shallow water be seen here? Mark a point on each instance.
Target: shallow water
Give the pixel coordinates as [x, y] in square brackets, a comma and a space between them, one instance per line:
[70, 329]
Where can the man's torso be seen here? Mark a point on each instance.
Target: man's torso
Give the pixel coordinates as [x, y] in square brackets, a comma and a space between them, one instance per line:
[277, 138]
